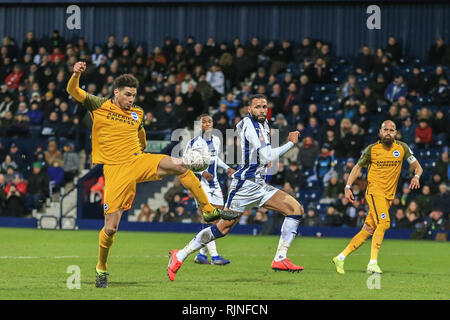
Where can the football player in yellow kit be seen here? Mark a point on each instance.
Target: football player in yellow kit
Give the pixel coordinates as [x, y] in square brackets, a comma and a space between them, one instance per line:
[118, 141]
[384, 162]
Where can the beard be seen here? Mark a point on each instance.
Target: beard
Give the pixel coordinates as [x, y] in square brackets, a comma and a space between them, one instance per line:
[256, 118]
[387, 141]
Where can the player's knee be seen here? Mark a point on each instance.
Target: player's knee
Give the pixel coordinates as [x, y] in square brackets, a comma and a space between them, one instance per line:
[368, 228]
[111, 230]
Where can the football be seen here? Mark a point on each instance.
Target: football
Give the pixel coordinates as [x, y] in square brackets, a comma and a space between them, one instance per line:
[197, 159]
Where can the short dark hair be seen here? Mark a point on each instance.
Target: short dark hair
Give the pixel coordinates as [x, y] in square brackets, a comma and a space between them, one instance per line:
[126, 80]
[256, 96]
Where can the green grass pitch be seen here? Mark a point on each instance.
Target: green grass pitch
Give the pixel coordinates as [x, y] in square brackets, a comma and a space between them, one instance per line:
[34, 265]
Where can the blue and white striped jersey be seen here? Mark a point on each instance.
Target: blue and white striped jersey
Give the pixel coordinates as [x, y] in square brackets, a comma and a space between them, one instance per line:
[253, 136]
[215, 147]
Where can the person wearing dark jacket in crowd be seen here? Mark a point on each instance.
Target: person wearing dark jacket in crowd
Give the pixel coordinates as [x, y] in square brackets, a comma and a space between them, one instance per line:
[38, 187]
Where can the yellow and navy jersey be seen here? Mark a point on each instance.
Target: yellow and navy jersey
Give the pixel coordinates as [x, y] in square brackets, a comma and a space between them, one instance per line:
[115, 138]
[384, 167]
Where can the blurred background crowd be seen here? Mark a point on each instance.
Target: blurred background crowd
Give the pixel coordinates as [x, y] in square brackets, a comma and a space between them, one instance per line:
[336, 103]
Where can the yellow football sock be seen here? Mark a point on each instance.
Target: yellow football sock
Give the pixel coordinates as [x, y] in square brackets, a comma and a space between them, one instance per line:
[356, 242]
[377, 240]
[105, 242]
[191, 182]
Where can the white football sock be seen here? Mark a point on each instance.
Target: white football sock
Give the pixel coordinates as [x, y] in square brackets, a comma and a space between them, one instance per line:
[288, 233]
[199, 241]
[341, 257]
[204, 251]
[373, 261]
[212, 248]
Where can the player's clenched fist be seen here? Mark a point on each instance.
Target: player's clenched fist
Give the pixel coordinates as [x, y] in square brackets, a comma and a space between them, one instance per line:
[79, 67]
[293, 136]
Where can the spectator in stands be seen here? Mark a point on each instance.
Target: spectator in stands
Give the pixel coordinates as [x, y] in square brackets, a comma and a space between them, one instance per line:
[232, 105]
[436, 221]
[7, 104]
[348, 88]
[441, 201]
[438, 52]
[282, 57]
[294, 176]
[308, 153]
[362, 118]
[345, 127]
[416, 83]
[312, 219]
[365, 61]
[394, 50]
[393, 115]
[303, 51]
[313, 129]
[15, 204]
[333, 218]
[440, 94]
[38, 188]
[369, 100]
[413, 212]
[291, 98]
[331, 140]
[384, 69]
[402, 102]
[71, 162]
[13, 79]
[334, 188]
[424, 200]
[433, 79]
[17, 156]
[408, 131]
[313, 112]
[52, 153]
[324, 165]
[146, 214]
[216, 79]
[442, 167]
[319, 72]
[396, 89]
[295, 117]
[8, 163]
[379, 87]
[353, 142]
[423, 134]
[401, 221]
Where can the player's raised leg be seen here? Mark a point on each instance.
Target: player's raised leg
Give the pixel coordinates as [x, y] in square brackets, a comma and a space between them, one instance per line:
[293, 212]
[175, 166]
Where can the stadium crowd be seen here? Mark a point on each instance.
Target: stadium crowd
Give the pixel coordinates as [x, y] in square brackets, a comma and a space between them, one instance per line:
[337, 103]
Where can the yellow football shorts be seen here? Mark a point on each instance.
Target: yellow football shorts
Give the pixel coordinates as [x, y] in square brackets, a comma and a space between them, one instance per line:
[378, 210]
[121, 180]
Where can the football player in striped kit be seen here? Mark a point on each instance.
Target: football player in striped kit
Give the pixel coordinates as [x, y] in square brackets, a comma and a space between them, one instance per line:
[249, 189]
[209, 182]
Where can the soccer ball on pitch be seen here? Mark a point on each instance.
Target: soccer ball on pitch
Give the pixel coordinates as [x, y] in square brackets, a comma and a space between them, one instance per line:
[197, 159]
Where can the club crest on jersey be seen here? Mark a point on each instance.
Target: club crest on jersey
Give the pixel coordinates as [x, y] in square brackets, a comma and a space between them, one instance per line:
[105, 207]
[396, 153]
[134, 115]
[383, 216]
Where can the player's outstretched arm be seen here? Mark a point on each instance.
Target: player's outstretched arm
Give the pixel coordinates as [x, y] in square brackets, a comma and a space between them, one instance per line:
[73, 87]
[270, 154]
